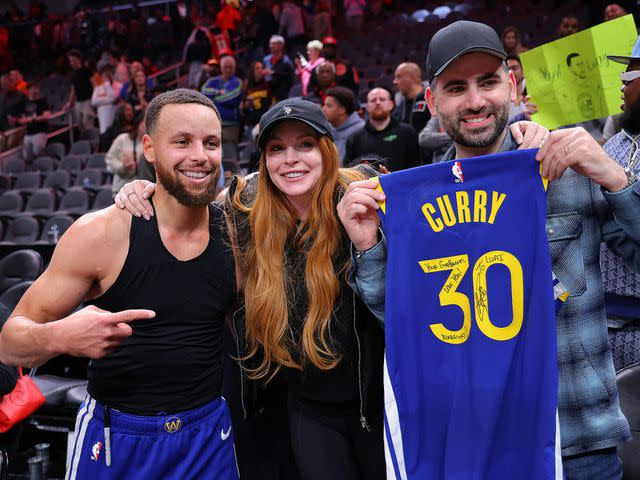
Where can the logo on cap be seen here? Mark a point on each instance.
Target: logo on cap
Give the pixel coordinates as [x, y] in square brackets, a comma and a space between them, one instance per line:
[286, 109]
[457, 172]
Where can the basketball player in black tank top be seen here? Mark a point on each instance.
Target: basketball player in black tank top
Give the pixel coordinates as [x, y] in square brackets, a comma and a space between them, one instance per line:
[159, 291]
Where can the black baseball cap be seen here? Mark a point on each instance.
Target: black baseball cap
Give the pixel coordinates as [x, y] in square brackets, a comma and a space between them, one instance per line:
[457, 39]
[293, 109]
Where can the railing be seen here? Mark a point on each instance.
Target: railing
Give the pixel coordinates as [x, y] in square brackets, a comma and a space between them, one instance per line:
[11, 140]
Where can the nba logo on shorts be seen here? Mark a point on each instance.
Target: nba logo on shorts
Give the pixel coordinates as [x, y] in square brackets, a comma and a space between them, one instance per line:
[457, 172]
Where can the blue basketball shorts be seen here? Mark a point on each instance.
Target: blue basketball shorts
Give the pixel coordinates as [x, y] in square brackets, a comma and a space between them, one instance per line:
[194, 444]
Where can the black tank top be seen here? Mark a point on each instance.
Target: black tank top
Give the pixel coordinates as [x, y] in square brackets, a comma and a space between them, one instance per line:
[172, 362]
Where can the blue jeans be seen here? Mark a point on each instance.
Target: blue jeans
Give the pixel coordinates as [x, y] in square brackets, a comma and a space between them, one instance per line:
[599, 464]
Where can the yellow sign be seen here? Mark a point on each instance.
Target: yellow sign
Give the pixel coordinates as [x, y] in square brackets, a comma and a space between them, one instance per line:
[572, 80]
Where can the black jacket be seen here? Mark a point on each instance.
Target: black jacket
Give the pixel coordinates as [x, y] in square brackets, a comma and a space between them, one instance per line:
[369, 338]
[398, 143]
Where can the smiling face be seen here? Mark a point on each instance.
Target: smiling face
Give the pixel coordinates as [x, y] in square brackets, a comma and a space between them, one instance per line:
[472, 99]
[294, 162]
[185, 149]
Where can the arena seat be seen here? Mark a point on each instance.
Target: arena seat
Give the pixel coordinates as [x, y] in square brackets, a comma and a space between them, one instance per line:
[72, 162]
[19, 266]
[14, 165]
[58, 180]
[41, 203]
[11, 203]
[628, 380]
[89, 177]
[103, 199]
[5, 182]
[27, 182]
[97, 160]
[81, 147]
[91, 135]
[44, 164]
[11, 297]
[22, 230]
[4, 464]
[54, 229]
[75, 202]
[56, 149]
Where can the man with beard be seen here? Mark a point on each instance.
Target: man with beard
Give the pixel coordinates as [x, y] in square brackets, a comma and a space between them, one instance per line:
[590, 199]
[621, 284]
[383, 135]
[158, 291]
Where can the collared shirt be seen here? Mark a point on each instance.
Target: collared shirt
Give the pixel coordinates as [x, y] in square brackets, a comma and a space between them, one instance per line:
[621, 283]
[580, 215]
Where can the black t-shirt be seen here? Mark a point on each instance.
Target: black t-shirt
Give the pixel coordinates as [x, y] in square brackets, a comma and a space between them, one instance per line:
[398, 143]
[33, 108]
[81, 80]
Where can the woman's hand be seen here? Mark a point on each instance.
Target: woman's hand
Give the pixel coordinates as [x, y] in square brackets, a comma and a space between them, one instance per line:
[133, 198]
[358, 213]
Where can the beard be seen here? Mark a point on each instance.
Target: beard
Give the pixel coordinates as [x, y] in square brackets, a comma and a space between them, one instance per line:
[379, 114]
[630, 119]
[177, 190]
[482, 138]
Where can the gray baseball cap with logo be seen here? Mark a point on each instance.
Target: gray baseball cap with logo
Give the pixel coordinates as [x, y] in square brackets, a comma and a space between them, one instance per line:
[460, 38]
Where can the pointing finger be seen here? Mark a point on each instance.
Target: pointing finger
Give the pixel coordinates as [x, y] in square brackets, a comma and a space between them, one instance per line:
[130, 315]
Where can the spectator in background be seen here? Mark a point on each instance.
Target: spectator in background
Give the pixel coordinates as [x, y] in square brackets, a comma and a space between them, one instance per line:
[133, 69]
[512, 42]
[18, 81]
[613, 11]
[122, 122]
[160, 36]
[326, 75]
[197, 54]
[148, 67]
[122, 71]
[322, 26]
[35, 116]
[568, 26]
[138, 94]
[411, 106]
[292, 25]
[81, 90]
[228, 18]
[105, 98]
[278, 68]
[522, 108]
[434, 141]
[256, 100]
[384, 135]
[346, 75]
[314, 50]
[341, 109]
[226, 92]
[122, 157]
[11, 103]
[354, 13]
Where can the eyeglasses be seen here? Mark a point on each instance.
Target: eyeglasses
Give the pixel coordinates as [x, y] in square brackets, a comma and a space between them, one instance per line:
[628, 77]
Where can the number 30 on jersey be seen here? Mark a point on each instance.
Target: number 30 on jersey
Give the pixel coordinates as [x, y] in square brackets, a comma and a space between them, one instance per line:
[458, 265]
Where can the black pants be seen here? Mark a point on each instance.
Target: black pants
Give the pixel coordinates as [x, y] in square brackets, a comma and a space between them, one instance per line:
[335, 446]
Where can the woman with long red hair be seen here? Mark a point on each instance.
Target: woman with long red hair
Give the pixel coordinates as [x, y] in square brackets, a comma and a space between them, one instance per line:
[301, 318]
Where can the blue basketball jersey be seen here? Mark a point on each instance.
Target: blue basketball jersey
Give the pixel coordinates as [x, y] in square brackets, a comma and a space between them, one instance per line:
[470, 372]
